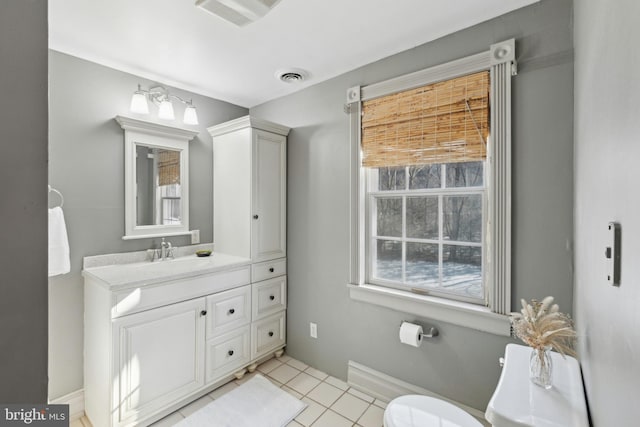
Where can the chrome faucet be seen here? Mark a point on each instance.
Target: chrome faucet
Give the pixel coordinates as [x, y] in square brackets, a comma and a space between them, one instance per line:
[164, 252]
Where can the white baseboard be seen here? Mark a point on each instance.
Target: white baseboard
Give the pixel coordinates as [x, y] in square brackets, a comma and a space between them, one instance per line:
[75, 401]
[387, 388]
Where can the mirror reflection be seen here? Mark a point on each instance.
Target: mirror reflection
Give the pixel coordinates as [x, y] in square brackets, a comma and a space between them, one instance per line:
[159, 190]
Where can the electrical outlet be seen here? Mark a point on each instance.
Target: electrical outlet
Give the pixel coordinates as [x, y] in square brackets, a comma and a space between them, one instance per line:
[195, 237]
[313, 330]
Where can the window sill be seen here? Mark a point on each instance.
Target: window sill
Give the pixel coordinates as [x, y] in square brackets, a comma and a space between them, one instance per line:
[455, 312]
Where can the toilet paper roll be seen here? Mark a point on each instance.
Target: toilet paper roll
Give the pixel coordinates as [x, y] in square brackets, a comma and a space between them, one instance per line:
[411, 334]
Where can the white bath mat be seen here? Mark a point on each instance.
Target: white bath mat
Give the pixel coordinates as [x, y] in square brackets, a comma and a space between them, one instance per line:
[256, 403]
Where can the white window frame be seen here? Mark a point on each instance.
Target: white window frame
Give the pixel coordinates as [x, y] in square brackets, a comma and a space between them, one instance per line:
[500, 61]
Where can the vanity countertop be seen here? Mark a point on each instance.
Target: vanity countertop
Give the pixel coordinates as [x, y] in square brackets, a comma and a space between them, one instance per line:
[125, 275]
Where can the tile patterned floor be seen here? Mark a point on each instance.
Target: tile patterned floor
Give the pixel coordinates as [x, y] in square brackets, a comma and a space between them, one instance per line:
[331, 402]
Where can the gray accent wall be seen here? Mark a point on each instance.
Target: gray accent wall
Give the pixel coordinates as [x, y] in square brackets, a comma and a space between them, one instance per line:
[461, 364]
[607, 150]
[23, 212]
[86, 163]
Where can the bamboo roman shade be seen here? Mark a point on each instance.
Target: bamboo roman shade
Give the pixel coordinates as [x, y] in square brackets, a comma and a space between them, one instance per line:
[444, 122]
[168, 167]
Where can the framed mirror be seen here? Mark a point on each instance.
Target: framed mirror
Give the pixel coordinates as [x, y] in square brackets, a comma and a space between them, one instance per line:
[156, 178]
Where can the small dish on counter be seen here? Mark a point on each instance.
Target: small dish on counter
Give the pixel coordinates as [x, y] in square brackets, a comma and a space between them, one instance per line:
[203, 253]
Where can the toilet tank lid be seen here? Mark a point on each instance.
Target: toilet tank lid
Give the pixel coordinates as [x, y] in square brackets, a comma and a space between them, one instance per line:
[517, 402]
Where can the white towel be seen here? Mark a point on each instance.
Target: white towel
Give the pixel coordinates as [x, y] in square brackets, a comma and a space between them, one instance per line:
[58, 243]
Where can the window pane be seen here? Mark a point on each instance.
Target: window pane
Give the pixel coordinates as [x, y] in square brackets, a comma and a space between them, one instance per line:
[462, 270]
[389, 217]
[388, 263]
[424, 176]
[422, 217]
[422, 264]
[171, 211]
[467, 174]
[463, 218]
[391, 179]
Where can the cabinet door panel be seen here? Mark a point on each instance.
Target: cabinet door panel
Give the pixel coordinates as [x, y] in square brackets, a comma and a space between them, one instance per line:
[160, 357]
[269, 196]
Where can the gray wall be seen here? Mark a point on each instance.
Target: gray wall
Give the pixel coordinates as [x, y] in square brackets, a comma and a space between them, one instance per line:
[23, 173]
[86, 152]
[462, 364]
[607, 150]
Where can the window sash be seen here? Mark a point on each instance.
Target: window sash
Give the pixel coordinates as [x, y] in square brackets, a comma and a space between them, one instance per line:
[372, 236]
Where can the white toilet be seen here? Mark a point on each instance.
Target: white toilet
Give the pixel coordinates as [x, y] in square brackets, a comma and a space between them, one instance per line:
[423, 411]
[516, 402]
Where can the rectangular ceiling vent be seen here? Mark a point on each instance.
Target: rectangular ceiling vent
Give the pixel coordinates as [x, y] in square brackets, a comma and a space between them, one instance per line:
[239, 12]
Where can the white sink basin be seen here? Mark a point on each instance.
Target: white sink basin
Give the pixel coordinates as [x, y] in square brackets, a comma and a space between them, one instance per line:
[140, 273]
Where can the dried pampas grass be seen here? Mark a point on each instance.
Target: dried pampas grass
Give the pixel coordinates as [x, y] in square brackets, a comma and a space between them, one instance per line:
[541, 325]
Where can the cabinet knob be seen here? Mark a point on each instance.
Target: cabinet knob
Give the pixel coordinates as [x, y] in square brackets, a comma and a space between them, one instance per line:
[230, 353]
[271, 297]
[203, 313]
[270, 333]
[255, 217]
[231, 311]
[271, 270]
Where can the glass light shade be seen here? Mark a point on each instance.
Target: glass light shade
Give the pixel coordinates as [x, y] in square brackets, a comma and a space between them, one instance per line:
[165, 111]
[190, 116]
[139, 103]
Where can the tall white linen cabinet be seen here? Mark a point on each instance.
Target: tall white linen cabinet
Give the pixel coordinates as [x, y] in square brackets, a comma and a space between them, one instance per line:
[249, 217]
[250, 188]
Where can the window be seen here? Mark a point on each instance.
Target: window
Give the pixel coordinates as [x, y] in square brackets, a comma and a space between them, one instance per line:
[424, 151]
[426, 228]
[430, 217]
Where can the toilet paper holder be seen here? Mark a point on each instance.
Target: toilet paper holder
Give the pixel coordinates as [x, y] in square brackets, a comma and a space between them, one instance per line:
[431, 333]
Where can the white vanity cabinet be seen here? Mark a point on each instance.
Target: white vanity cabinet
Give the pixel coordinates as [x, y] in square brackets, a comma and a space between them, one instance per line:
[250, 188]
[159, 335]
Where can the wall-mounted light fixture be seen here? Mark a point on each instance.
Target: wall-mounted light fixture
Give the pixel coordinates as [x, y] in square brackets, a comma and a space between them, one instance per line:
[161, 97]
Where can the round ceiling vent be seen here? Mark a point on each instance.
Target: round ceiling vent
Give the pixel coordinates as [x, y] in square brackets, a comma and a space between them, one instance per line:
[292, 75]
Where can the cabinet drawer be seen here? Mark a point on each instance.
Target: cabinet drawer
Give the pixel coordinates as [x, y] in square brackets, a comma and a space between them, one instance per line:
[269, 297]
[228, 310]
[226, 353]
[268, 334]
[269, 269]
[145, 297]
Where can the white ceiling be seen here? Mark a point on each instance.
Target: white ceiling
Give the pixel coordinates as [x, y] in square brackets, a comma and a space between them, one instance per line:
[175, 43]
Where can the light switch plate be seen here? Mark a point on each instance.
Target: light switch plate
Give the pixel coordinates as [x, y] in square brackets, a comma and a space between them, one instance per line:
[195, 237]
[612, 253]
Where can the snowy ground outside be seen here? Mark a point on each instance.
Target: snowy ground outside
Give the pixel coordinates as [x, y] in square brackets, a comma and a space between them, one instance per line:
[464, 279]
